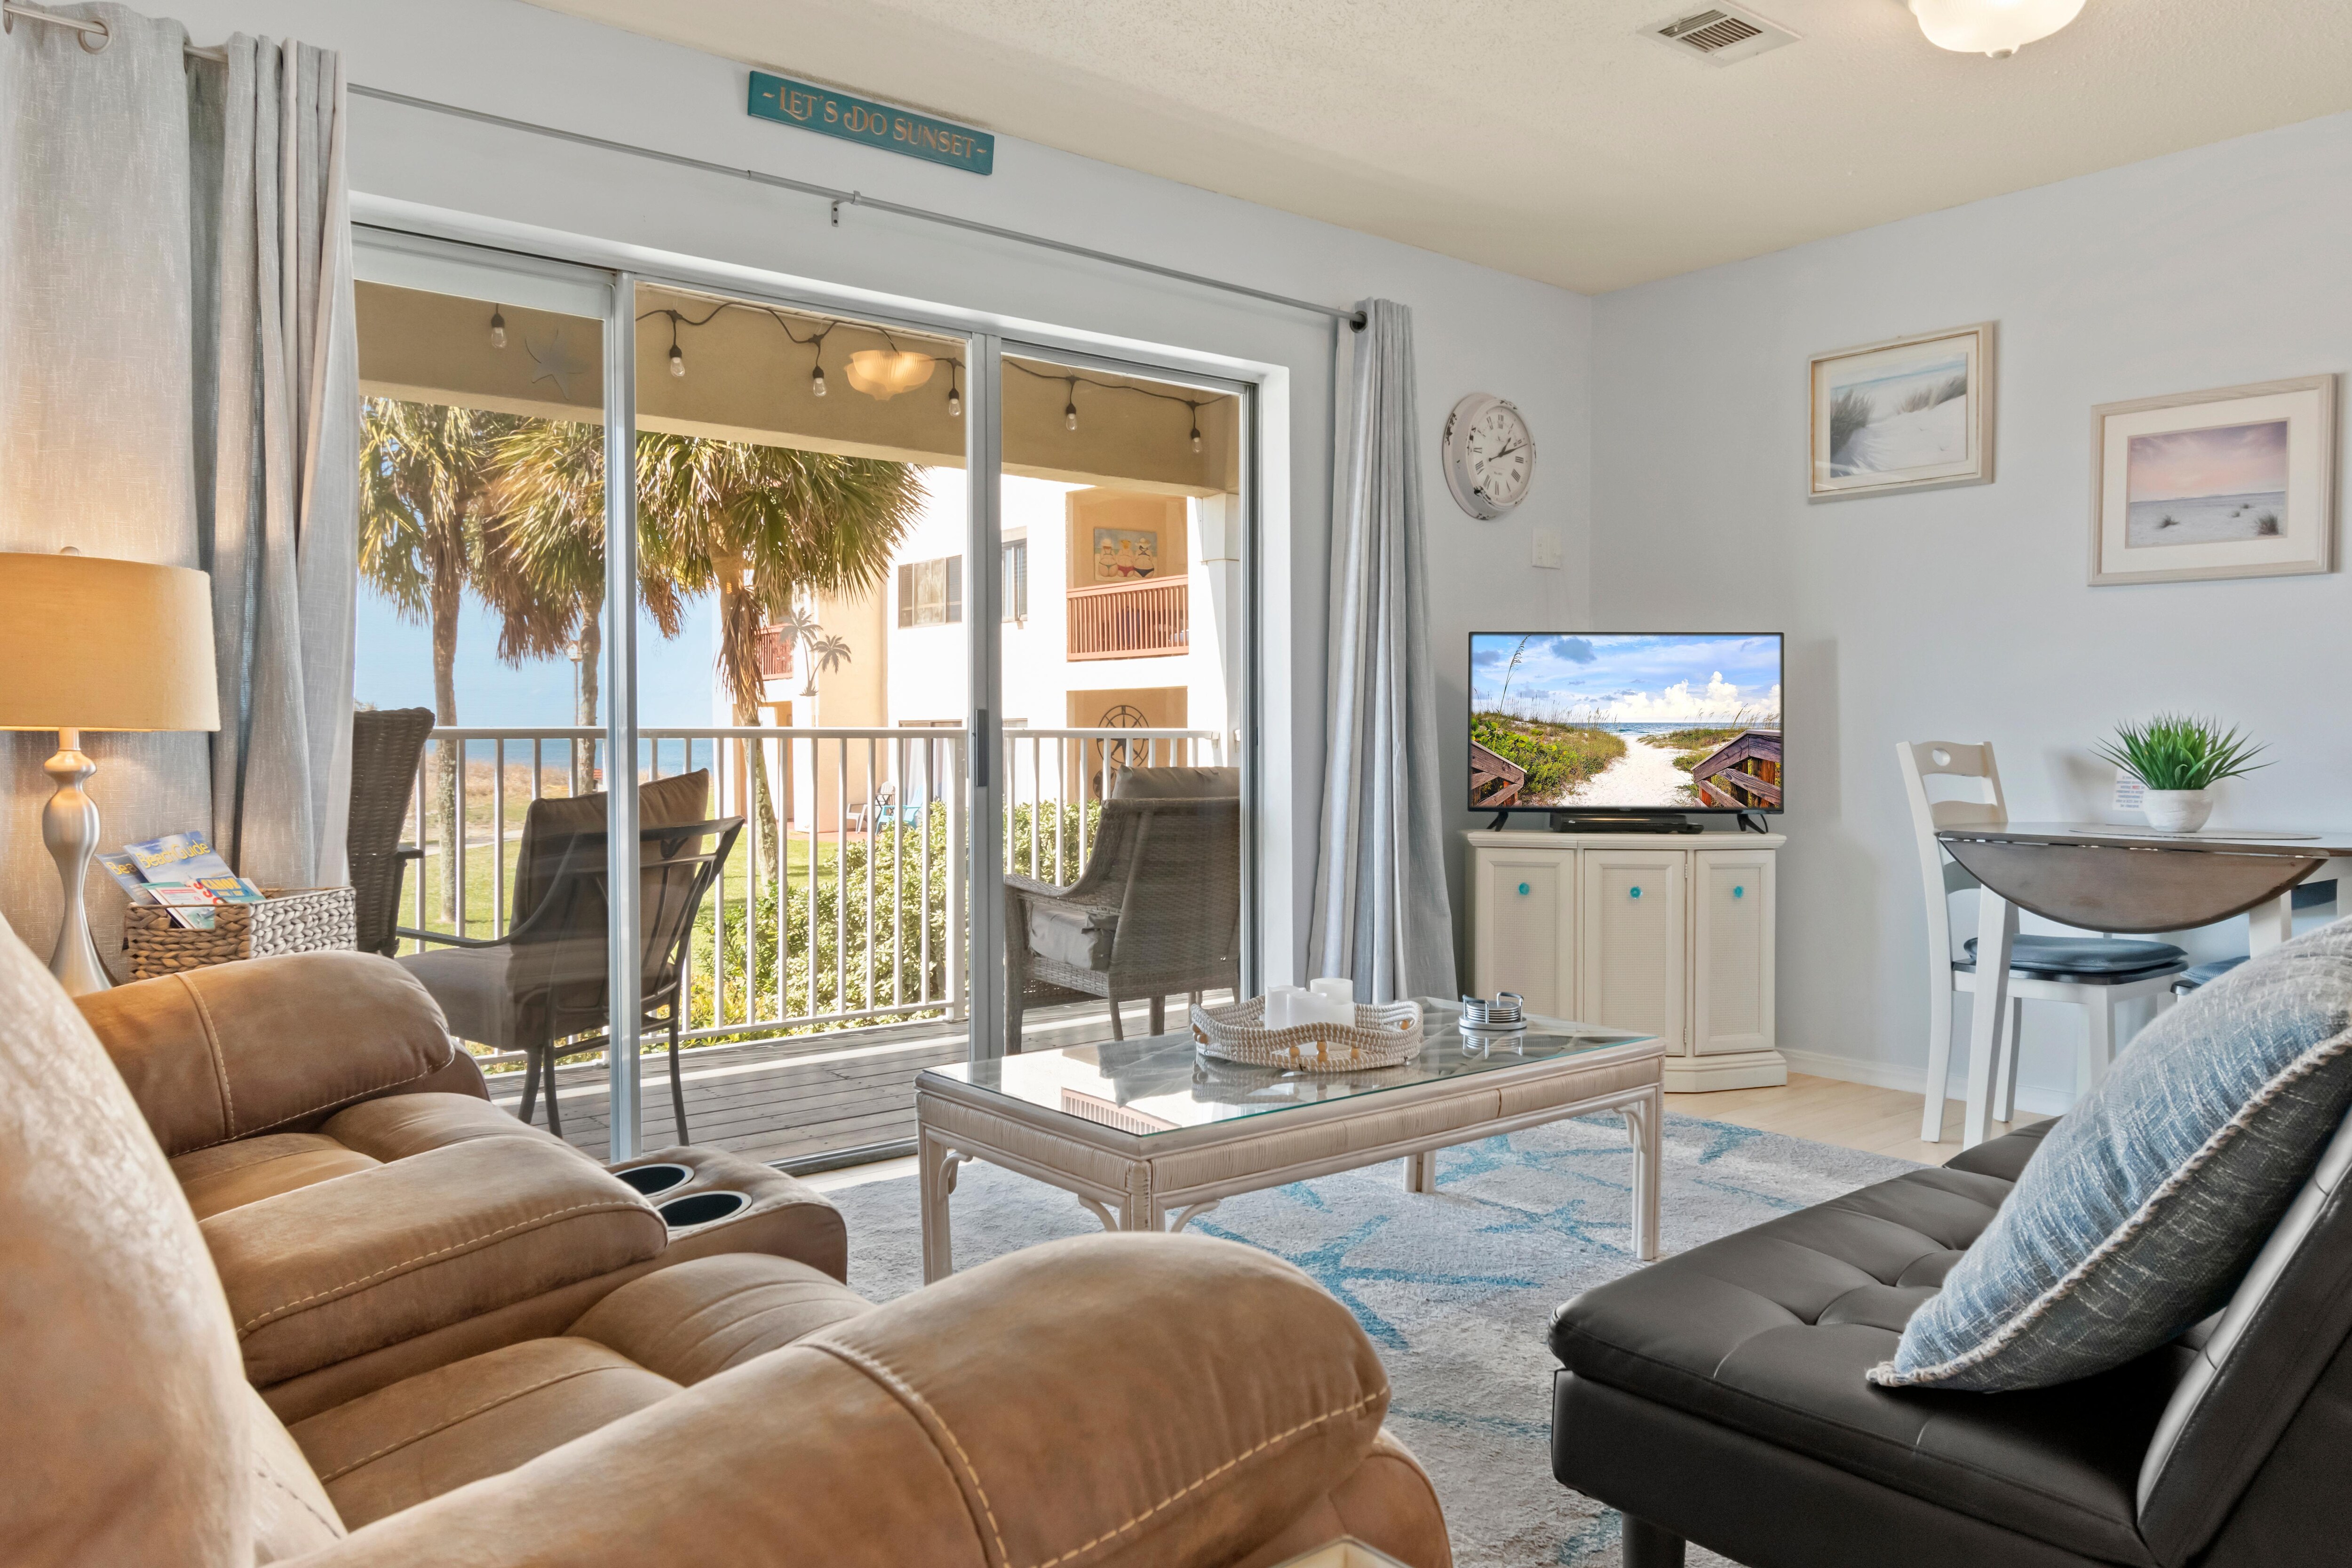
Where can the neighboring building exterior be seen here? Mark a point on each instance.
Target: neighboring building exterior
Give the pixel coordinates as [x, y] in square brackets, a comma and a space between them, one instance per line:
[1121, 611]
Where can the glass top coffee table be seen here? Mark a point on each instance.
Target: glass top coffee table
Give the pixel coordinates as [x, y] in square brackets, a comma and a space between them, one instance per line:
[1140, 1130]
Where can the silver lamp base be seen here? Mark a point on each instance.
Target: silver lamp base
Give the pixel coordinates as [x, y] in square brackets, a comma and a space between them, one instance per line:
[70, 828]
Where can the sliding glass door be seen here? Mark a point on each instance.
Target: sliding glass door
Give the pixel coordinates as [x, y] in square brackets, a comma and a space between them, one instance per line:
[1121, 535]
[880, 643]
[485, 654]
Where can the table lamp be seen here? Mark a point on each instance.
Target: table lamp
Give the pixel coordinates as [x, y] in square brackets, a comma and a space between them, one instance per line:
[90, 644]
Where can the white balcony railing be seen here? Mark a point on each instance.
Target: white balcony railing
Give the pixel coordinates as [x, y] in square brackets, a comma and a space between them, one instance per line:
[866, 924]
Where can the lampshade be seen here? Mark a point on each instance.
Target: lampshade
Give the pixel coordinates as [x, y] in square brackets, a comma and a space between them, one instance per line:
[884, 373]
[1995, 28]
[90, 644]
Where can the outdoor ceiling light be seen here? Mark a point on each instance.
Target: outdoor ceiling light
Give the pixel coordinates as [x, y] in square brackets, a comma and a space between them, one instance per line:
[1998, 28]
[883, 373]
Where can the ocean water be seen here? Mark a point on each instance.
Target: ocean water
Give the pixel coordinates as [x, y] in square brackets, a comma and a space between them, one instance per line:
[2202, 520]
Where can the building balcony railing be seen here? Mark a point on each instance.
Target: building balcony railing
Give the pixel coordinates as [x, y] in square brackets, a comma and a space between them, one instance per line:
[1128, 620]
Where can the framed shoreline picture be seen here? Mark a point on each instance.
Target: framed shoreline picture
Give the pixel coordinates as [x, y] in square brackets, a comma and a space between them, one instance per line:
[2235, 482]
[1911, 414]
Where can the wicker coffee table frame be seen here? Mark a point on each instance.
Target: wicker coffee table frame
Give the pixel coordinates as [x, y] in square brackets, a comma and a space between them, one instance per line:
[1163, 1181]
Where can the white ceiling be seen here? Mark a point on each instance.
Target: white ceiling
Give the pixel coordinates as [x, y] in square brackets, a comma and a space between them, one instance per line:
[1543, 137]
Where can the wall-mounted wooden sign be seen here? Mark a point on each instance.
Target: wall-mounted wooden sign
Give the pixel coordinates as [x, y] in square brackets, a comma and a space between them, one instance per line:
[901, 130]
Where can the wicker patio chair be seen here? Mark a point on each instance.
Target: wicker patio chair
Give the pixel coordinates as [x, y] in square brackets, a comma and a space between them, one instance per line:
[1157, 909]
[386, 744]
[547, 978]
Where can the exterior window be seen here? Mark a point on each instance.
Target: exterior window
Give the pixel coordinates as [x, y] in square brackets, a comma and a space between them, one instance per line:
[1017, 580]
[931, 593]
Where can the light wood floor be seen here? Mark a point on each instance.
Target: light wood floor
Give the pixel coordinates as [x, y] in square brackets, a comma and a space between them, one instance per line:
[1851, 1115]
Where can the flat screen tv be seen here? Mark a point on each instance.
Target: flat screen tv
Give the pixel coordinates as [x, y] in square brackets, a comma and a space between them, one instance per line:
[1590, 724]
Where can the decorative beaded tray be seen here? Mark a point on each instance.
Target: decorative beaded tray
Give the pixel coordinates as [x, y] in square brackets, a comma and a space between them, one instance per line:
[1381, 1036]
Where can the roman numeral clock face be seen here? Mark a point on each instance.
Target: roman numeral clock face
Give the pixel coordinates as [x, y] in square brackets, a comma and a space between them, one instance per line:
[1490, 457]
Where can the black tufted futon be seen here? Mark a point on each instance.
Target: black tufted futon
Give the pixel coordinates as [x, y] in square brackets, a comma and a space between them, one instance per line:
[1719, 1397]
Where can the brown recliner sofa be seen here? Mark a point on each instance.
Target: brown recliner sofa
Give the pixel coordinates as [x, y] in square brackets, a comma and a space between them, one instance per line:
[371, 1214]
[738, 1409]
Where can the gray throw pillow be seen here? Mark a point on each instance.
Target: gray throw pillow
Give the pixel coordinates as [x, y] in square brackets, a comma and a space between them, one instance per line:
[2142, 1210]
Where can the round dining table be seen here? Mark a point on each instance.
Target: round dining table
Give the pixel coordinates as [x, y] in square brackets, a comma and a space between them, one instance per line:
[2107, 878]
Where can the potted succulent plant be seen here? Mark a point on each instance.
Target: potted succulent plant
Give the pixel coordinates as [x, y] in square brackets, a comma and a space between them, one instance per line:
[2180, 759]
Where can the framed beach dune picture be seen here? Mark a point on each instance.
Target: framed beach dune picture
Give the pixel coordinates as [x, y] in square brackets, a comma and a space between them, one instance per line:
[1912, 414]
[2239, 482]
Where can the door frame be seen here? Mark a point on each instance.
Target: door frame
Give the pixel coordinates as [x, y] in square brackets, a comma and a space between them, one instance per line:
[504, 244]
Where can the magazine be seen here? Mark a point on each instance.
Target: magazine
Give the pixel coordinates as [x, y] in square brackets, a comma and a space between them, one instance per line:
[191, 907]
[177, 857]
[181, 872]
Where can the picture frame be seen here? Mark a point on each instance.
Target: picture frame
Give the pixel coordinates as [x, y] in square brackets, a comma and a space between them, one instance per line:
[2239, 482]
[1906, 413]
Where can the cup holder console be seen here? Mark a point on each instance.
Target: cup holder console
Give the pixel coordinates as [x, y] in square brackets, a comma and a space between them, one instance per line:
[702, 1208]
[652, 1179]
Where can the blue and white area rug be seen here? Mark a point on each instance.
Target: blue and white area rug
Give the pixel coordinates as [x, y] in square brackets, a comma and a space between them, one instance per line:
[1456, 1288]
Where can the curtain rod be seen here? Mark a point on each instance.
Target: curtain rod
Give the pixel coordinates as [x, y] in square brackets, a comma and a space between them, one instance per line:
[91, 29]
[841, 198]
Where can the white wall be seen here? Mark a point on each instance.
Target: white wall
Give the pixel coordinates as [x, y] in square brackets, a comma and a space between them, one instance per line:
[1476, 330]
[1964, 613]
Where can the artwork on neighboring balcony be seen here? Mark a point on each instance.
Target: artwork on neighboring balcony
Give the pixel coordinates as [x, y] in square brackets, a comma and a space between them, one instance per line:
[1125, 554]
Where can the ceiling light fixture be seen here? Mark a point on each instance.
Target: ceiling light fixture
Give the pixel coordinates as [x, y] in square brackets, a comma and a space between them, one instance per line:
[1996, 29]
[883, 373]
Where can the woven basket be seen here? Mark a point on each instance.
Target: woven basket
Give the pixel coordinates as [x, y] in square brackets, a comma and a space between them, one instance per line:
[303, 919]
[1381, 1036]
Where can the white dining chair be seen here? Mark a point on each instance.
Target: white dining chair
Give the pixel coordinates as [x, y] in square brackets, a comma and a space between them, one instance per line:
[2094, 973]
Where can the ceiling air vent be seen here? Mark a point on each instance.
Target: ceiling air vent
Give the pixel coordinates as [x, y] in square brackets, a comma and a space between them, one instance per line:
[1719, 35]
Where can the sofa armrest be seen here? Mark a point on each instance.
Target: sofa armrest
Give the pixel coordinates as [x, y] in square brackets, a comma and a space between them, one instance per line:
[272, 1044]
[1112, 1400]
[323, 1273]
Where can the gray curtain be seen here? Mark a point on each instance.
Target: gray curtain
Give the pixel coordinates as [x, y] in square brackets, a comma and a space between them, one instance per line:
[179, 384]
[281, 408]
[1381, 913]
[97, 446]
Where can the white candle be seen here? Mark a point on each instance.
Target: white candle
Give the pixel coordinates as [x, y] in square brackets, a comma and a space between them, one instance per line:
[1338, 987]
[1282, 1007]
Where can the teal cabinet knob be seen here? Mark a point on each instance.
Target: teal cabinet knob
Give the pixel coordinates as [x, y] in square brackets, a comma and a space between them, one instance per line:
[1523, 888]
[1637, 892]
[1739, 892]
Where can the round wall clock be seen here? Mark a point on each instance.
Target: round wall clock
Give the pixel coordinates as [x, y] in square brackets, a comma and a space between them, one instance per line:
[1489, 456]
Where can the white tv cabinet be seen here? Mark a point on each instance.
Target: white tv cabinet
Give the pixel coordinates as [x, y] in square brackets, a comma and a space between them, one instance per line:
[1669, 934]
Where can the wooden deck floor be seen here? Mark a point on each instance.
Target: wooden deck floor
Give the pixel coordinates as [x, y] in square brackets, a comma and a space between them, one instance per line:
[802, 1097]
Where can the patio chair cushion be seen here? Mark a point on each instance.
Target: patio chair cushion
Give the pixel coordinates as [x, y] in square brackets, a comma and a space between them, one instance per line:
[665, 802]
[1176, 783]
[1072, 934]
[470, 984]
[2145, 1206]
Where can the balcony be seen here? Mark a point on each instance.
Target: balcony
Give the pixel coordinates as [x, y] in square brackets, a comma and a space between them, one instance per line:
[1128, 620]
[812, 1004]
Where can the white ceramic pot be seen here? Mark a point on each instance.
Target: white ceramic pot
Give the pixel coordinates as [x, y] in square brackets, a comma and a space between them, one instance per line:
[2178, 810]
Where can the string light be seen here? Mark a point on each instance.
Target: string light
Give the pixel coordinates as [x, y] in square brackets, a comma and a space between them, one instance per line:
[955, 398]
[1070, 409]
[498, 328]
[1196, 424]
[677, 357]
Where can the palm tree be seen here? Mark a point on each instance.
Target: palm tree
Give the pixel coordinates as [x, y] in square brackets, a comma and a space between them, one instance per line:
[761, 526]
[426, 471]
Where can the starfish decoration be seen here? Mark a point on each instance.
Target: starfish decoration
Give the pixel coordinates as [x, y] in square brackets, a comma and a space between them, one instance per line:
[552, 364]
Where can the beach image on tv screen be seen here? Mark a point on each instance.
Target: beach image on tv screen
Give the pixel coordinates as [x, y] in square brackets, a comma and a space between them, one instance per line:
[1579, 721]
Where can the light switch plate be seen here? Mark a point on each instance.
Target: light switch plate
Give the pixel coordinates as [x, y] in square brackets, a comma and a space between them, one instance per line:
[1547, 547]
